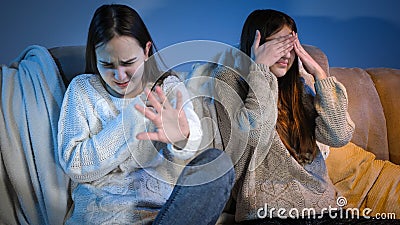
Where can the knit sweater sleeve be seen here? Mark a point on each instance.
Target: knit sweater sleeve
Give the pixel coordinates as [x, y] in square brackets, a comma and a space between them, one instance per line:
[334, 126]
[88, 151]
[254, 117]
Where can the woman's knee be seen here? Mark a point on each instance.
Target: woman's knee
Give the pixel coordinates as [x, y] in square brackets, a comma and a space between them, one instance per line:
[208, 156]
[209, 166]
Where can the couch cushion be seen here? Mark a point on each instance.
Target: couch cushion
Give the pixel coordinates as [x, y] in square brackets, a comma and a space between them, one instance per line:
[365, 110]
[70, 60]
[387, 83]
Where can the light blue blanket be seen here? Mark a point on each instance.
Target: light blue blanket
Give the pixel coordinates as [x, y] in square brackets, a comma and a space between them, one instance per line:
[33, 188]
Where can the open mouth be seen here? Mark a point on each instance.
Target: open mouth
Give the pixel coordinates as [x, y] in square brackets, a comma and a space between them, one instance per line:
[122, 84]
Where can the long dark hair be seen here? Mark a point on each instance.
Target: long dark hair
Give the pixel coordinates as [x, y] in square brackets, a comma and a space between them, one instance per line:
[119, 20]
[295, 126]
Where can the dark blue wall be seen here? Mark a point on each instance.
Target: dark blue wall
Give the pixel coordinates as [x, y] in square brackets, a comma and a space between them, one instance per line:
[353, 33]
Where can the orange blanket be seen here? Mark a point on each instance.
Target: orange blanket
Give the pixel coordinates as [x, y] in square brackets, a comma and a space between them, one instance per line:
[364, 181]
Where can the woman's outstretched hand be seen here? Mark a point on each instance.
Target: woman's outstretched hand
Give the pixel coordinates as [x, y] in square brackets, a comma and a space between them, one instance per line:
[310, 65]
[271, 51]
[172, 125]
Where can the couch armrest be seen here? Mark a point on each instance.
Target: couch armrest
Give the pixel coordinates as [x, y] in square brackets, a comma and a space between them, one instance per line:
[365, 110]
[387, 83]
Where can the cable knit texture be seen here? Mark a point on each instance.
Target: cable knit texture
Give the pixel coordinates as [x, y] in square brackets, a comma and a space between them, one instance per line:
[117, 179]
[266, 173]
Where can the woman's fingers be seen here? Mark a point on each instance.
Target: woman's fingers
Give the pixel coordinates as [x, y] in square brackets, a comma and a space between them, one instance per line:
[298, 48]
[257, 38]
[147, 112]
[256, 44]
[179, 100]
[153, 136]
[301, 53]
[160, 101]
[154, 102]
[287, 50]
[310, 65]
[285, 42]
[162, 98]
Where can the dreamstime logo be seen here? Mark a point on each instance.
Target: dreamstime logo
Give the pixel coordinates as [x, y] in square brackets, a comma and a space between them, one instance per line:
[341, 201]
[200, 85]
[331, 212]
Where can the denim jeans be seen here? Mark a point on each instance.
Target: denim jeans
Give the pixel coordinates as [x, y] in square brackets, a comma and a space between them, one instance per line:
[202, 191]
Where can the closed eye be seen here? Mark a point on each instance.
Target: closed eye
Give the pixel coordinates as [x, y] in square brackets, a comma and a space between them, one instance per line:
[128, 62]
[106, 64]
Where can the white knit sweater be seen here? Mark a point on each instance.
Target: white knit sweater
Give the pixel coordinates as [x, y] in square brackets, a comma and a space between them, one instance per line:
[117, 179]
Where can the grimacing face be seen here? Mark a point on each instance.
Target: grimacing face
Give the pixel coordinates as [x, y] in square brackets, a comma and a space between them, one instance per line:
[120, 63]
[285, 62]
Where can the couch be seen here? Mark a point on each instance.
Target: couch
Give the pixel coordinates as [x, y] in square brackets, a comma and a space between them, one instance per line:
[375, 148]
[365, 171]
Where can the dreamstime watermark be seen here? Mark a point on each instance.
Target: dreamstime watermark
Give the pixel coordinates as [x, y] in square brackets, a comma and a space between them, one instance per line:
[337, 212]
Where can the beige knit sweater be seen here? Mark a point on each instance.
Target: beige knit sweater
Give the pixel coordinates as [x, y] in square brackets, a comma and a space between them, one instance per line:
[268, 178]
